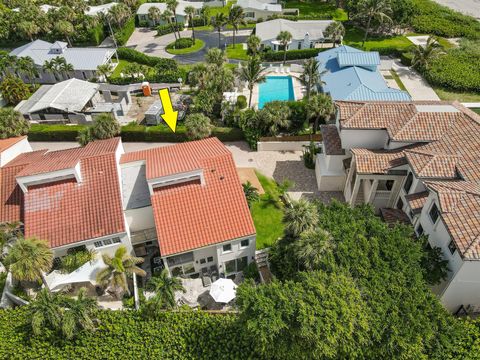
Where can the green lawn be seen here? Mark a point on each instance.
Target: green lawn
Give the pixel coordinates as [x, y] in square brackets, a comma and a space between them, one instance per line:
[199, 44]
[477, 110]
[119, 68]
[267, 214]
[237, 52]
[316, 10]
[450, 95]
[354, 37]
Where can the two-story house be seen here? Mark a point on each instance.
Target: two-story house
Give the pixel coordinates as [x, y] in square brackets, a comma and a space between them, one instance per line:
[185, 199]
[417, 162]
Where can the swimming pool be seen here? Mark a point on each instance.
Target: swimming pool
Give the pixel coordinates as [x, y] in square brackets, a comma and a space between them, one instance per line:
[275, 88]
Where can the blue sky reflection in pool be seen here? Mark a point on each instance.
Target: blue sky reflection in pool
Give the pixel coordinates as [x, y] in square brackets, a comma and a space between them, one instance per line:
[275, 88]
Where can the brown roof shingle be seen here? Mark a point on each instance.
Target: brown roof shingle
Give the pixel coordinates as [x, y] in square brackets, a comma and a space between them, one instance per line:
[332, 145]
[416, 201]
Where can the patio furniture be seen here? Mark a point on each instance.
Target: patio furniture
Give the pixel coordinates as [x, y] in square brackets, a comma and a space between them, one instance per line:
[140, 251]
[223, 290]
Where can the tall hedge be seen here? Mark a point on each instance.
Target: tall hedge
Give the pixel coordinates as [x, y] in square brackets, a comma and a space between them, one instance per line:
[291, 54]
[126, 335]
[129, 133]
[132, 55]
[122, 35]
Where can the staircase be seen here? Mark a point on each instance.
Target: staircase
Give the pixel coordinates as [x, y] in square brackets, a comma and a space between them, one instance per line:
[261, 258]
[360, 196]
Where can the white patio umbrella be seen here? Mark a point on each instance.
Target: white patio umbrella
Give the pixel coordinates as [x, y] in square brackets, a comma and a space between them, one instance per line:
[223, 290]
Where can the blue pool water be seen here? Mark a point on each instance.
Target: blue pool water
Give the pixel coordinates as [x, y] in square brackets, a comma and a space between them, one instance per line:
[275, 88]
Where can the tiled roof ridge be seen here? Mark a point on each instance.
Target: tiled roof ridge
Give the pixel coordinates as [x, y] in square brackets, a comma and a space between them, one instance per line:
[475, 242]
[470, 188]
[416, 195]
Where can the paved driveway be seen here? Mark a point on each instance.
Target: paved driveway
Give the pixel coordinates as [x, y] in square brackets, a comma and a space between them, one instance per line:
[469, 7]
[146, 41]
[279, 165]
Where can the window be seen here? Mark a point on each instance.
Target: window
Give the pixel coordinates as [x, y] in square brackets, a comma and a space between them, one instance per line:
[98, 244]
[419, 230]
[299, 46]
[400, 204]
[242, 263]
[227, 248]
[180, 259]
[408, 183]
[116, 240]
[230, 267]
[210, 259]
[107, 242]
[452, 247]
[434, 214]
[244, 243]
[203, 261]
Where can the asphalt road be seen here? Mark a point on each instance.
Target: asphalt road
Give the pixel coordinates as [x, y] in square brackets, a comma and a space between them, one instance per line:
[469, 7]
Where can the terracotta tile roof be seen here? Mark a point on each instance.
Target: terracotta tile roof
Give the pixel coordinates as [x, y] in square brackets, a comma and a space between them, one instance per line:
[65, 212]
[332, 145]
[416, 201]
[66, 159]
[11, 196]
[378, 161]
[460, 211]
[184, 157]
[393, 216]
[6, 143]
[191, 215]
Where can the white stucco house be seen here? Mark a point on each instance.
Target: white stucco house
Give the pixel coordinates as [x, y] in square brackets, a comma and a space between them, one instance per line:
[84, 61]
[257, 9]
[306, 34]
[181, 207]
[143, 14]
[415, 162]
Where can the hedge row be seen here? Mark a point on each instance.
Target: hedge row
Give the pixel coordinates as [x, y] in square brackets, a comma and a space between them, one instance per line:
[129, 133]
[167, 28]
[291, 54]
[122, 35]
[126, 335]
[433, 18]
[140, 58]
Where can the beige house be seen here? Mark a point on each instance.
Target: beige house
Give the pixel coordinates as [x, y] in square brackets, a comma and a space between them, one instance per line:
[415, 162]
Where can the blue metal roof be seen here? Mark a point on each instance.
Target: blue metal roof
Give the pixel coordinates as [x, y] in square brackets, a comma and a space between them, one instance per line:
[358, 59]
[355, 82]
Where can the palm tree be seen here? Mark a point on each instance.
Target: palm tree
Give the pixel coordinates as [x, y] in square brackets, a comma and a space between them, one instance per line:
[199, 76]
[28, 28]
[117, 270]
[167, 17]
[218, 22]
[45, 311]
[78, 314]
[335, 31]
[253, 44]
[154, 14]
[190, 11]
[373, 10]
[64, 67]
[301, 216]
[164, 288]
[251, 193]
[104, 70]
[26, 65]
[58, 65]
[50, 67]
[66, 29]
[319, 107]
[172, 6]
[9, 231]
[215, 56]
[236, 17]
[274, 116]
[284, 38]
[311, 75]
[12, 124]
[251, 73]
[423, 55]
[205, 13]
[119, 14]
[7, 63]
[312, 247]
[29, 259]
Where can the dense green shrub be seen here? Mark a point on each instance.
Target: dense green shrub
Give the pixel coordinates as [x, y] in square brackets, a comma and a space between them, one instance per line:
[127, 335]
[406, 58]
[132, 55]
[167, 29]
[458, 69]
[241, 102]
[291, 54]
[432, 18]
[122, 35]
[129, 133]
[75, 259]
[182, 43]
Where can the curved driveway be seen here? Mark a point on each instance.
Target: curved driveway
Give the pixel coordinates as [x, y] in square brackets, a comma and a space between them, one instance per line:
[145, 41]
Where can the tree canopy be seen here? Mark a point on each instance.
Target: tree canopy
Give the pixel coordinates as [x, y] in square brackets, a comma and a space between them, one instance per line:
[12, 123]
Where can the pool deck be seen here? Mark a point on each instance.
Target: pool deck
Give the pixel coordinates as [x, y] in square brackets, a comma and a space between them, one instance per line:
[297, 86]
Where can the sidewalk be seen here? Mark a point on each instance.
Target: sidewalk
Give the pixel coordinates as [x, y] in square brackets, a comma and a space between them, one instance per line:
[417, 86]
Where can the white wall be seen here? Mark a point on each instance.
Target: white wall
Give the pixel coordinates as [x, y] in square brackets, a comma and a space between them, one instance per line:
[140, 219]
[464, 289]
[13, 151]
[89, 244]
[370, 139]
[236, 252]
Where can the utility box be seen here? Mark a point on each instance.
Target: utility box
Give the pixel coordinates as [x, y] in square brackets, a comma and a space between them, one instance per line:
[153, 114]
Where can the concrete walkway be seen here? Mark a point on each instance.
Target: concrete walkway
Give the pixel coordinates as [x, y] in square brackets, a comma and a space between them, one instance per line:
[416, 85]
[278, 165]
[468, 7]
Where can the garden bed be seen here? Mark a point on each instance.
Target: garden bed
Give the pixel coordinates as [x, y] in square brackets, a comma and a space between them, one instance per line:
[197, 46]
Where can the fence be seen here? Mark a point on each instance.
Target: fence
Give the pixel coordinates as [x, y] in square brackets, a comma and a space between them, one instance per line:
[287, 143]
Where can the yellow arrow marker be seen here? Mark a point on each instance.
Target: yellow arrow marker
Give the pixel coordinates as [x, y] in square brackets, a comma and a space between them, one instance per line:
[169, 115]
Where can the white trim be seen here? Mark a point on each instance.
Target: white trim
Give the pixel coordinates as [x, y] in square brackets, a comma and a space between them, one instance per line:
[48, 177]
[84, 242]
[175, 179]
